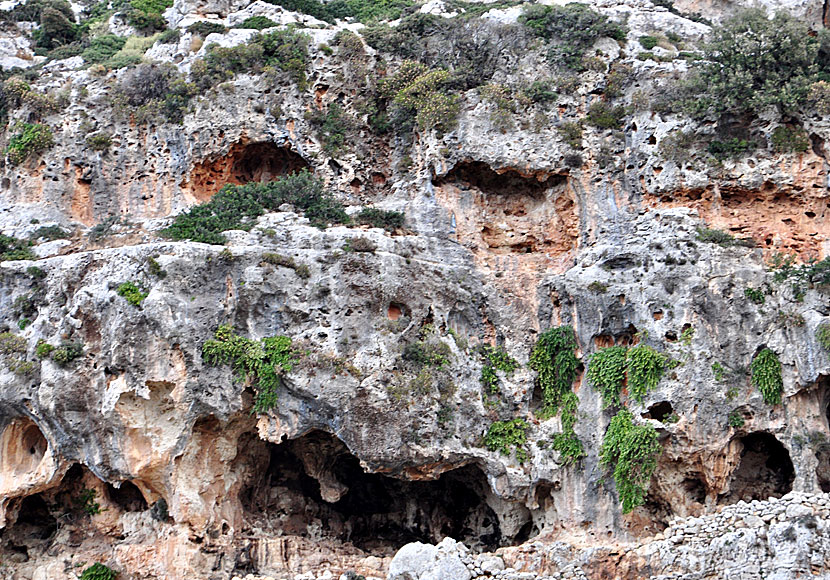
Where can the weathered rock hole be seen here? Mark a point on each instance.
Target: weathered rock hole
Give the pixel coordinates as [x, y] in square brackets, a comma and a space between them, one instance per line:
[244, 162]
[396, 310]
[508, 212]
[765, 470]
[127, 497]
[695, 490]
[315, 482]
[660, 411]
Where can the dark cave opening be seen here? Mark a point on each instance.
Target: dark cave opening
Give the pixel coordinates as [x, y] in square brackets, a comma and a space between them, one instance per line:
[316, 479]
[244, 162]
[508, 182]
[127, 497]
[660, 411]
[765, 470]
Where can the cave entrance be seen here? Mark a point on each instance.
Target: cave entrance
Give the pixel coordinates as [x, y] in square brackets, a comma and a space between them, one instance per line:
[506, 212]
[765, 470]
[245, 162]
[314, 481]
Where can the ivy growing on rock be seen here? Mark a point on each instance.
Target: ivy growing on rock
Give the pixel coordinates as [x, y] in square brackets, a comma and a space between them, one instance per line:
[606, 373]
[495, 358]
[632, 451]
[262, 362]
[505, 436]
[132, 293]
[766, 376]
[644, 368]
[553, 358]
[99, 571]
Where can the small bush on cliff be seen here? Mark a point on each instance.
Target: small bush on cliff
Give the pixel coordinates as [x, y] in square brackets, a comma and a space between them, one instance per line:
[632, 451]
[505, 436]
[553, 358]
[723, 239]
[236, 207]
[99, 572]
[203, 28]
[132, 293]
[261, 362]
[753, 62]
[13, 352]
[640, 367]
[823, 335]
[420, 96]
[381, 218]
[151, 90]
[258, 23]
[30, 140]
[286, 50]
[790, 140]
[766, 376]
[67, 352]
[12, 248]
[146, 15]
[574, 28]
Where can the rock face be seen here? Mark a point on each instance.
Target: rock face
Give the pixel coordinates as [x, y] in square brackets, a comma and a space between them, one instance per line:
[121, 443]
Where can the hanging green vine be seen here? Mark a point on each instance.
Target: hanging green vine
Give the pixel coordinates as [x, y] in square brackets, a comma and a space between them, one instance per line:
[766, 376]
[632, 450]
[553, 358]
[569, 447]
[495, 358]
[644, 368]
[262, 362]
[606, 373]
[504, 436]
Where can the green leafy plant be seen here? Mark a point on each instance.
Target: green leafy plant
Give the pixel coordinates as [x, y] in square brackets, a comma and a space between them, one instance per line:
[49, 233]
[605, 116]
[67, 352]
[766, 376]
[85, 502]
[262, 363]
[736, 419]
[754, 295]
[506, 436]
[569, 447]
[43, 349]
[812, 274]
[823, 335]
[204, 27]
[571, 133]
[428, 351]
[236, 207]
[574, 27]
[258, 23]
[420, 96]
[99, 572]
[99, 141]
[606, 373]
[13, 352]
[648, 42]
[495, 358]
[132, 293]
[553, 358]
[718, 371]
[790, 140]
[632, 451]
[380, 218]
[30, 140]
[332, 126]
[15, 249]
[730, 149]
[301, 270]
[723, 239]
[644, 368]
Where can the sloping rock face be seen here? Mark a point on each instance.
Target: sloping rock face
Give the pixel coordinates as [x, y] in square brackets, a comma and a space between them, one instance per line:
[120, 443]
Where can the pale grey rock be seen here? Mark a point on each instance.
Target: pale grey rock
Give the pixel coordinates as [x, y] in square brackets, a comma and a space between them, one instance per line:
[412, 561]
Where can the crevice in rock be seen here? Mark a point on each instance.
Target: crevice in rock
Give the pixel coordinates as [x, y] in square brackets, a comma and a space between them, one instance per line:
[314, 487]
[765, 470]
[244, 162]
[660, 411]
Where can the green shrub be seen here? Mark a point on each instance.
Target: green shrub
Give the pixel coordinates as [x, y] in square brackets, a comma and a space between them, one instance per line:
[13, 352]
[43, 349]
[505, 436]
[50, 233]
[99, 141]
[23, 323]
[606, 373]
[301, 270]
[420, 96]
[644, 368]
[261, 362]
[286, 50]
[677, 146]
[380, 218]
[30, 140]
[823, 335]
[170, 36]
[649, 42]
[632, 450]
[569, 447]
[812, 274]
[766, 376]
[553, 358]
[736, 419]
[754, 295]
[605, 116]
[14, 249]
[132, 293]
[67, 352]
[57, 25]
[236, 207]
[99, 572]
[574, 27]
[730, 149]
[360, 10]
[752, 62]
[790, 140]
[723, 239]
[102, 48]
[146, 15]
[258, 23]
[428, 352]
[332, 126]
[495, 358]
[203, 28]
[571, 133]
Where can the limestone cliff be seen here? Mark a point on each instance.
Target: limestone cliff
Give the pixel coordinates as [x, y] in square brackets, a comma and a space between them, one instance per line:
[122, 443]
